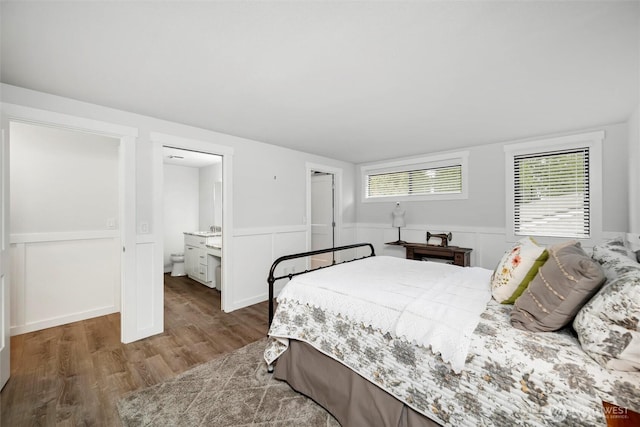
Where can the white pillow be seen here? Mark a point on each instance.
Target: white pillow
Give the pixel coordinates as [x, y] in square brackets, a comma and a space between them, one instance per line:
[516, 269]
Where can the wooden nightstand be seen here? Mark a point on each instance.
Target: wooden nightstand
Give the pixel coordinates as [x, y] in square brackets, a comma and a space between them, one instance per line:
[455, 254]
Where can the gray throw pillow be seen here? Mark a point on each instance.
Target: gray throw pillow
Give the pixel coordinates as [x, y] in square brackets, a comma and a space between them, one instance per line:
[562, 286]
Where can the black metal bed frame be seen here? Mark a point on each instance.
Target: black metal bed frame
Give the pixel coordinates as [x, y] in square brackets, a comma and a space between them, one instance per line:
[272, 279]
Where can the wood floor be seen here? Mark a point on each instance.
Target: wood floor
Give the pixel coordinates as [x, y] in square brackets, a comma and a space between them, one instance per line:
[73, 375]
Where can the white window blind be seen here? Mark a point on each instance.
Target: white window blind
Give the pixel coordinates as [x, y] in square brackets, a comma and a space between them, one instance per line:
[437, 180]
[551, 194]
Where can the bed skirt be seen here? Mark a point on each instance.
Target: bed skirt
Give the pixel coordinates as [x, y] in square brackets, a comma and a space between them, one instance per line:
[351, 399]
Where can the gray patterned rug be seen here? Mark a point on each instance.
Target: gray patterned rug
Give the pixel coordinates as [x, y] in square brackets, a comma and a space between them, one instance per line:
[233, 390]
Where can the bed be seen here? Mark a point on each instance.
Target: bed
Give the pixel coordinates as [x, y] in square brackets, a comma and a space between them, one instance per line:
[389, 341]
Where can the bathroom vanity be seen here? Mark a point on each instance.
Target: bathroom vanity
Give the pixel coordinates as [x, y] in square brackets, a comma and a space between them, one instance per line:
[202, 255]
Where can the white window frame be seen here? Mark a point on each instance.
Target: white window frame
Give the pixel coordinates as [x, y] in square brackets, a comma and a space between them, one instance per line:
[590, 140]
[436, 161]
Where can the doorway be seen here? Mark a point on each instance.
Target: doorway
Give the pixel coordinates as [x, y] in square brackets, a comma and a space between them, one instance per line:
[193, 206]
[225, 153]
[65, 243]
[322, 215]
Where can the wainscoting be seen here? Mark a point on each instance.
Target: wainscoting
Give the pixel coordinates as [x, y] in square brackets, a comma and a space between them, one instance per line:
[488, 244]
[255, 249]
[57, 278]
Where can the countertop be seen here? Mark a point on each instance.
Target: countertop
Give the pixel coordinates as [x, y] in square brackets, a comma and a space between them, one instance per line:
[213, 241]
[203, 233]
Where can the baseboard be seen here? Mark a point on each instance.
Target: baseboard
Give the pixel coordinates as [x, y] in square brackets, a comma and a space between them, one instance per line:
[247, 302]
[62, 320]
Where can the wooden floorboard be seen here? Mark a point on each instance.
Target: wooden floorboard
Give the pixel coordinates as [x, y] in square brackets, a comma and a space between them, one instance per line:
[74, 374]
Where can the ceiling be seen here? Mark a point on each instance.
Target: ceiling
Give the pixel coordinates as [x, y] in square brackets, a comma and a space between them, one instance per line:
[356, 81]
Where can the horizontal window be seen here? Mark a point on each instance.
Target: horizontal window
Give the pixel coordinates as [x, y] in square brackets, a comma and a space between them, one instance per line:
[423, 178]
[445, 180]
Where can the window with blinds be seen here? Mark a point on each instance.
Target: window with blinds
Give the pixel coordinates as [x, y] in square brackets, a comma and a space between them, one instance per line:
[551, 194]
[446, 180]
[437, 177]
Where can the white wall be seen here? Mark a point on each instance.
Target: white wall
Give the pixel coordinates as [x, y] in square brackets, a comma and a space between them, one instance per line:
[181, 201]
[62, 180]
[479, 221]
[65, 245]
[262, 206]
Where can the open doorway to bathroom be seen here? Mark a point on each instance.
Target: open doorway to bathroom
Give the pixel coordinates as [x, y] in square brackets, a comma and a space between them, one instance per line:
[192, 241]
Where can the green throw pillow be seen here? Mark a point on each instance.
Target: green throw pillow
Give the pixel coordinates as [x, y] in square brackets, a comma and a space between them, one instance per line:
[516, 269]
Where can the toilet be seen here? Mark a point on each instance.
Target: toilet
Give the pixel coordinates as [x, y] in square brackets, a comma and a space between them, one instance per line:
[177, 261]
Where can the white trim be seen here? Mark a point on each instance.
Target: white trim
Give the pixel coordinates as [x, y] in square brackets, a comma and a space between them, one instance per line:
[36, 116]
[190, 144]
[438, 160]
[400, 163]
[128, 270]
[227, 286]
[5, 276]
[556, 143]
[126, 163]
[423, 227]
[257, 231]
[157, 240]
[126, 189]
[592, 140]
[63, 320]
[236, 305]
[63, 235]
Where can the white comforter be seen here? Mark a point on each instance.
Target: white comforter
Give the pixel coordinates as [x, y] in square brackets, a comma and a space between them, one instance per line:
[434, 305]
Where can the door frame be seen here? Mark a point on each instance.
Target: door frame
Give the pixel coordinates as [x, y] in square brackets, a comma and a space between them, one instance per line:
[337, 196]
[126, 193]
[5, 295]
[161, 139]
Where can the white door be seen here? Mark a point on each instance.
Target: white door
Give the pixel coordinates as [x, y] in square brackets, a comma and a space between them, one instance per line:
[5, 336]
[322, 217]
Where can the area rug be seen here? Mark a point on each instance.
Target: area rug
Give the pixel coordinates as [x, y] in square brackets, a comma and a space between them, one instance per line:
[232, 390]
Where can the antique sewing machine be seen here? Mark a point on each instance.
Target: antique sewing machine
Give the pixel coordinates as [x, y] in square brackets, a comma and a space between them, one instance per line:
[444, 238]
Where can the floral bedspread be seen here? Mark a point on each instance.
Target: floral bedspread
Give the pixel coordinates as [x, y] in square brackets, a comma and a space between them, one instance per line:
[511, 377]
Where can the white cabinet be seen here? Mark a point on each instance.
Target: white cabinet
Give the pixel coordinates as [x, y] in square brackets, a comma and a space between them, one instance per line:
[190, 260]
[195, 258]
